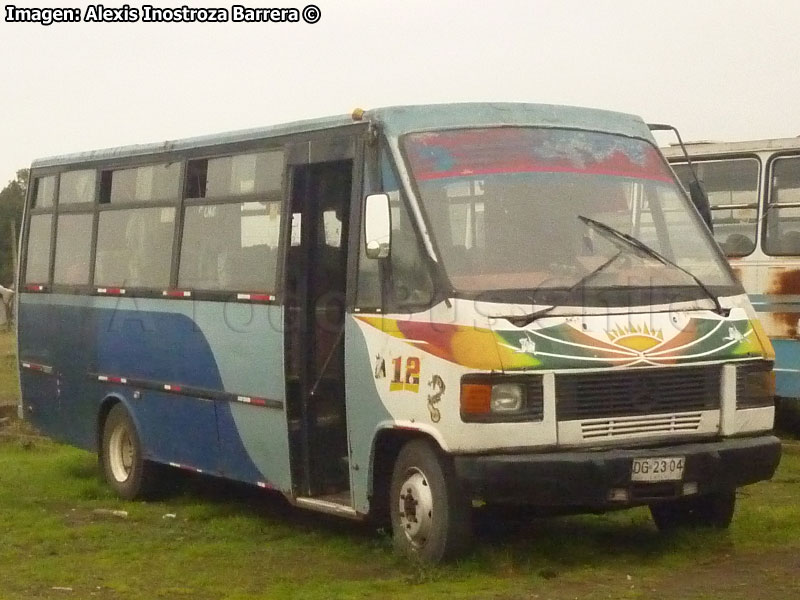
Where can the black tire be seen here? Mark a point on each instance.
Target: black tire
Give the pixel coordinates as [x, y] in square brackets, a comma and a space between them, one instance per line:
[710, 510]
[422, 478]
[124, 467]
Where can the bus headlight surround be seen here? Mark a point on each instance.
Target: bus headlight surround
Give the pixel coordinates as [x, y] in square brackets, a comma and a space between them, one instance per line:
[492, 399]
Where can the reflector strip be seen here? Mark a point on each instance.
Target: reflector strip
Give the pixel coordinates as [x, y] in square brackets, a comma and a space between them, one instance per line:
[110, 379]
[111, 291]
[31, 366]
[251, 400]
[177, 293]
[183, 390]
[185, 467]
[35, 287]
[256, 297]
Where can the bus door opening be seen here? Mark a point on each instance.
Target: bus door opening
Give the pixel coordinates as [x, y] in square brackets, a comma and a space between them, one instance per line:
[316, 275]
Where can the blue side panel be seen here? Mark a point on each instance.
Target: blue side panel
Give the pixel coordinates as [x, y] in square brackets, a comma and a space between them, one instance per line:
[236, 461]
[159, 346]
[787, 367]
[42, 401]
[220, 347]
[177, 429]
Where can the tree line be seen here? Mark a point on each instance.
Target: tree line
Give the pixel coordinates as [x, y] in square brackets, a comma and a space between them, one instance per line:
[12, 199]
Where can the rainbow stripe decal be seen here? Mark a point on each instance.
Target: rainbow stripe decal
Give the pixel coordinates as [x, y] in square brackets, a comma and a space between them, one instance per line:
[565, 345]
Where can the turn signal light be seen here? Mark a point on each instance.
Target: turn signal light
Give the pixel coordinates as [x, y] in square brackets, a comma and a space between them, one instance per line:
[476, 398]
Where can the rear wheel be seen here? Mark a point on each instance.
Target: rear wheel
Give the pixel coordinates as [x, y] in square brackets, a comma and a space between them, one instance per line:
[710, 510]
[430, 516]
[123, 462]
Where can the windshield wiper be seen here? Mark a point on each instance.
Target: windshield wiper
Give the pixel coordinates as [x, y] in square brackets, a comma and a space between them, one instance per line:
[626, 241]
[527, 319]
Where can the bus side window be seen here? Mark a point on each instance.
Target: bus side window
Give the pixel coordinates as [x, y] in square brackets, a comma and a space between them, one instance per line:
[732, 188]
[410, 285]
[368, 291]
[37, 269]
[134, 247]
[232, 245]
[73, 249]
[782, 231]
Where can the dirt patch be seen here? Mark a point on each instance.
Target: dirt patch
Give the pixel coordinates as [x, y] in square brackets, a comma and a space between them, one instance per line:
[767, 574]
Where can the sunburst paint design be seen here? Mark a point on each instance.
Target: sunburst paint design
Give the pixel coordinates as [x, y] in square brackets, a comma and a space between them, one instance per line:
[636, 337]
[565, 346]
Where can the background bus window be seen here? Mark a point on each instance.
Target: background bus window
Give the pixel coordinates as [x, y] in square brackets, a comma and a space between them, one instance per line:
[467, 231]
[782, 218]
[142, 184]
[44, 191]
[240, 175]
[134, 247]
[37, 268]
[230, 247]
[73, 247]
[77, 187]
[732, 187]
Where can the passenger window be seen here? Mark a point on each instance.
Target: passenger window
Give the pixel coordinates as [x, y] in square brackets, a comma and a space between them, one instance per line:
[410, 282]
[44, 191]
[368, 294]
[732, 188]
[37, 269]
[230, 247]
[782, 217]
[134, 247]
[77, 187]
[73, 248]
[142, 184]
[244, 174]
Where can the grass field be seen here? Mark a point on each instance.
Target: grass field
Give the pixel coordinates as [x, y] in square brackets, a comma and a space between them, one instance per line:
[8, 369]
[217, 540]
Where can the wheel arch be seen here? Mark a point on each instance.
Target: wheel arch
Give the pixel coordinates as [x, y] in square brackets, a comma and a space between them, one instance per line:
[109, 402]
[386, 444]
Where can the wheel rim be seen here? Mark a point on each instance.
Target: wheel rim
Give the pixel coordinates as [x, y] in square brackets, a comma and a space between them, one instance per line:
[416, 507]
[120, 453]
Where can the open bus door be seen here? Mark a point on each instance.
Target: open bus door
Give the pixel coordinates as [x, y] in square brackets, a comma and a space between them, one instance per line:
[315, 284]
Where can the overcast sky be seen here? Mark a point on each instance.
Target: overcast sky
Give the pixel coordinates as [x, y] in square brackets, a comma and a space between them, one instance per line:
[721, 70]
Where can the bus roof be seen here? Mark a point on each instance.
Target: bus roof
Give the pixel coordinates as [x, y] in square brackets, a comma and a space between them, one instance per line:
[395, 120]
[719, 148]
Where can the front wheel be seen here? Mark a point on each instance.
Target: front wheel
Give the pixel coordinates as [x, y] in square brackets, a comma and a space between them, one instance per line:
[124, 466]
[430, 515]
[709, 510]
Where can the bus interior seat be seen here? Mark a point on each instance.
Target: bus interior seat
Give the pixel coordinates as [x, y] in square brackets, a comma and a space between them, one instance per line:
[244, 268]
[737, 244]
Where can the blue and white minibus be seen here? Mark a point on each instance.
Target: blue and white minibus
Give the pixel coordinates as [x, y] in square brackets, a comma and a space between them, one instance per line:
[401, 313]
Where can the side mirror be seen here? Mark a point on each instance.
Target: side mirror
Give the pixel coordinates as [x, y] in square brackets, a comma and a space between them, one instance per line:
[377, 226]
[700, 200]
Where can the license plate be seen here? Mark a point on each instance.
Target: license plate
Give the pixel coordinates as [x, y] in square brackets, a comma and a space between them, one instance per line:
[667, 468]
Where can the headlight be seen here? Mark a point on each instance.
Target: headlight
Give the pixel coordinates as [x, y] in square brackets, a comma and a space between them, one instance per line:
[496, 399]
[755, 385]
[507, 397]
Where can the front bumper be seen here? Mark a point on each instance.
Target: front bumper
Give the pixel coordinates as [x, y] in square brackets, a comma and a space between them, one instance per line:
[586, 478]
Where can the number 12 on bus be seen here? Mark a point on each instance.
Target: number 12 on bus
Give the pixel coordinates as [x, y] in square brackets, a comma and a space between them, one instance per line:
[398, 314]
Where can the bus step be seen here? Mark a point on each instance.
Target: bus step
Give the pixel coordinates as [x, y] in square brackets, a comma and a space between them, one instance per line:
[334, 504]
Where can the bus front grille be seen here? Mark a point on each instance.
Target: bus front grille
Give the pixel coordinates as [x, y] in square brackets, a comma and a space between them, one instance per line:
[637, 392]
[650, 425]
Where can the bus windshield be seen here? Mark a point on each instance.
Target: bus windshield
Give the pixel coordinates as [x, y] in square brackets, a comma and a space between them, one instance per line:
[508, 208]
